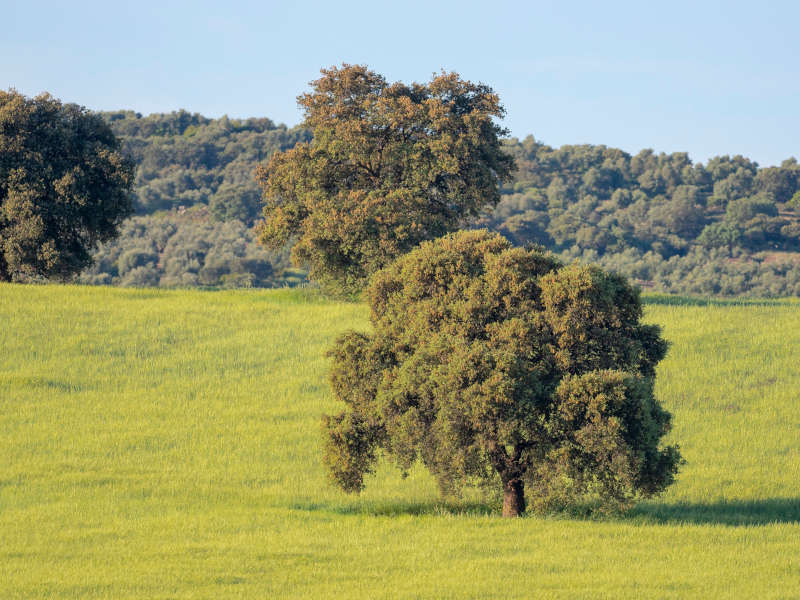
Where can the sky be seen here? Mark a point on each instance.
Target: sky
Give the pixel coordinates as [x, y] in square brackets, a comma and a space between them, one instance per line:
[707, 78]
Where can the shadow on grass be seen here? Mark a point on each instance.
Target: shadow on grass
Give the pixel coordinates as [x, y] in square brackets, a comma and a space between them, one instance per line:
[727, 512]
[734, 513]
[668, 300]
[396, 509]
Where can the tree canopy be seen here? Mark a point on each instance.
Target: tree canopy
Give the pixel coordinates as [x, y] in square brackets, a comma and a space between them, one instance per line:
[64, 186]
[493, 363]
[390, 165]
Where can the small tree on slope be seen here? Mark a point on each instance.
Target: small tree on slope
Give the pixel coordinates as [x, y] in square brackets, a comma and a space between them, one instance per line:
[490, 362]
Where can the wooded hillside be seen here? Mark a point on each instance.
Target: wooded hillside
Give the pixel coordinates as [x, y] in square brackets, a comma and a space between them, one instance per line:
[727, 227]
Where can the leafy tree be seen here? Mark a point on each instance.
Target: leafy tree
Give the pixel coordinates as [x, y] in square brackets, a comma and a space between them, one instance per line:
[64, 186]
[683, 215]
[498, 364]
[235, 203]
[742, 210]
[391, 165]
[795, 201]
[722, 234]
[779, 183]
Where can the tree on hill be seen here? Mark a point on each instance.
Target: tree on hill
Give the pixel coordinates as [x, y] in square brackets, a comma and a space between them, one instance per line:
[64, 186]
[493, 363]
[722, 234]
[390, 165]
[795, 201]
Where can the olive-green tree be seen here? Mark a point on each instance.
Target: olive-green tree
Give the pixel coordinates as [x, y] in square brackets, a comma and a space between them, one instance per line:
[488, 362]
[64, 186]
[390, 165]
[795, 201]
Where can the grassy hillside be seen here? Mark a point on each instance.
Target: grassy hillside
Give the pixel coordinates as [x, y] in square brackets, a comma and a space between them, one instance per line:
[165, 444]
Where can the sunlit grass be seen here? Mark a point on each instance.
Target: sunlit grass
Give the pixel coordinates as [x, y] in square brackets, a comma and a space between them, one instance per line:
[165, 444]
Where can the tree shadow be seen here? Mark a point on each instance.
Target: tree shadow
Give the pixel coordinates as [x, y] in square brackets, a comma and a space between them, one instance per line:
[377, 508]
[723, 512]
[732, 513]
[669, 300]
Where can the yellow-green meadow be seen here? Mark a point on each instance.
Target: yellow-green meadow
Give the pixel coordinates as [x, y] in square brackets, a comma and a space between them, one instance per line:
[166, 444]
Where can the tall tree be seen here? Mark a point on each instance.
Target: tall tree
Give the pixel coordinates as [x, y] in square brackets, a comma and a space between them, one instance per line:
[390, 165]
[498, 363]
[64, 186]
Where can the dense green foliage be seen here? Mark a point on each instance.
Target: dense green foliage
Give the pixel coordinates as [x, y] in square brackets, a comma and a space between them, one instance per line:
[185, 159]
[197, 199]
[602, 199]
[726, 227]
[161, 443]
[64, 186]
[390, 165]
[489, 362]
[188, 248]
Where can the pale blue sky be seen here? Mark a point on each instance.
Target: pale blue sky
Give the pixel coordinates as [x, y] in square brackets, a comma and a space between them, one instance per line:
[702, 77]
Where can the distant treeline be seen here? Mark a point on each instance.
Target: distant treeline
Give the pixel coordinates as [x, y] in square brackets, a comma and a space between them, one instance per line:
[724, 228]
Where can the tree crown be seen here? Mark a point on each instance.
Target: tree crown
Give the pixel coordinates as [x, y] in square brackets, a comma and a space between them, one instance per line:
[63, 186]
[390, 165]
[491, 362]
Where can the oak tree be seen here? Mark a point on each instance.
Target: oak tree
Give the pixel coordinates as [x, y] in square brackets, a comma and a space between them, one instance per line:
[64, 186]
[493, 363]
[390, 165]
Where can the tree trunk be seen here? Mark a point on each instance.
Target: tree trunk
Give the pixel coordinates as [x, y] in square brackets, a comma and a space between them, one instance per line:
[513, 497]
[4, 274]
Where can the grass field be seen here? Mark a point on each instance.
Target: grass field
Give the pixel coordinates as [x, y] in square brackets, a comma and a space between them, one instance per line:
[165, 444]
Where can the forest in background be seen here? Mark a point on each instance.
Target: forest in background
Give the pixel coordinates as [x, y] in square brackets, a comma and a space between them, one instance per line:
[196, 204]
[727, 227]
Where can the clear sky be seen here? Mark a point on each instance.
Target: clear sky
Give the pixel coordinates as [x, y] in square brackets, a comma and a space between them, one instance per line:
[704, 77]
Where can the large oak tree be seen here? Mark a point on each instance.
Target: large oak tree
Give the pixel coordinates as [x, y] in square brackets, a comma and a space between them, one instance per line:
[64, 186]
[488, 362]
[390, 165]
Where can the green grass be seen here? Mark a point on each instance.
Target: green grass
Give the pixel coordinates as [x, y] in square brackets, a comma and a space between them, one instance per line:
[165, 444]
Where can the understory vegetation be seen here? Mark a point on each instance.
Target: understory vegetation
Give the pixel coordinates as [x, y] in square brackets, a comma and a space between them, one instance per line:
[165, 443]
[724, 228]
